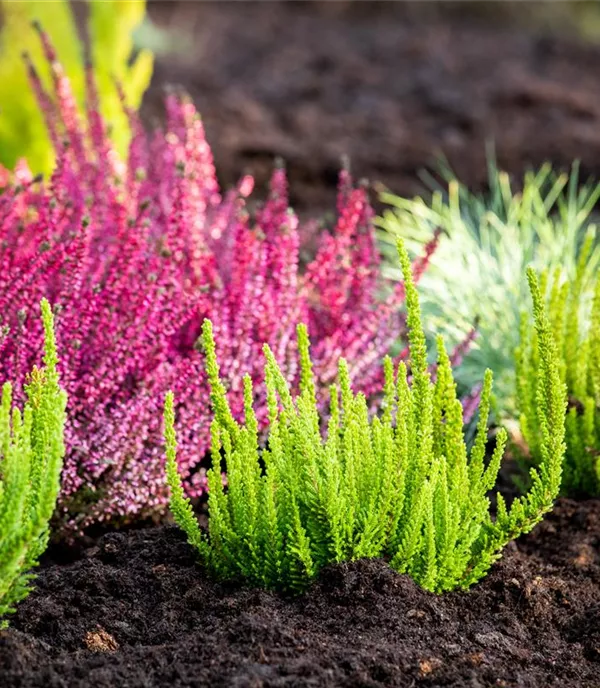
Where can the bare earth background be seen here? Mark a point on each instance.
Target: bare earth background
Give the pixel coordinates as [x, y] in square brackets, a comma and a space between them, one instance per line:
[393, 85]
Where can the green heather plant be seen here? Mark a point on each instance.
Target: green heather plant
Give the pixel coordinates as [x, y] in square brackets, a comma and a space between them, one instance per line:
[23, 132]
[477, 273]
[576, 332]
[401, 485]
[31, 454]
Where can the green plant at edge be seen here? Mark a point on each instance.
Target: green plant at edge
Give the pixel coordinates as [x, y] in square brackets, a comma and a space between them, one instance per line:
[477, 273]
[401, 485]
[577, 338]
[31, 455]
[23, 133]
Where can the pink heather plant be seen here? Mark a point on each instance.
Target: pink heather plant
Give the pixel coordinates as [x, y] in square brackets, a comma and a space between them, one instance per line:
[134, 255]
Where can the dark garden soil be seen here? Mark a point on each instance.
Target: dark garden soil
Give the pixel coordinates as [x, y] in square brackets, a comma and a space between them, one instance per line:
[392, 85]
[134, 610]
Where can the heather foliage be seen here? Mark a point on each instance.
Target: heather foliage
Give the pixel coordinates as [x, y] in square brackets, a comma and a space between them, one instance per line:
[400, 485]
[23, 132]
[490, 239]
[31, 453]
[135, 254]
[576, 329]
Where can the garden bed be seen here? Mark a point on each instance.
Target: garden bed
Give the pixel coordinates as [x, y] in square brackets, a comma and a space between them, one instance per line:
[134, 609]
[392, 88]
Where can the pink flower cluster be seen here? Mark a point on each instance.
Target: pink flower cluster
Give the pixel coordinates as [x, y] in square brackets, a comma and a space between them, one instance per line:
[134, 255]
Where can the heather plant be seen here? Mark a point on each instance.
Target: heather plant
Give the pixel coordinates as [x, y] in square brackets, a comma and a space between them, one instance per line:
[110, 27]
[400, 485]
[576, 330]
[134, 254]
[487, 242]
[31, 454]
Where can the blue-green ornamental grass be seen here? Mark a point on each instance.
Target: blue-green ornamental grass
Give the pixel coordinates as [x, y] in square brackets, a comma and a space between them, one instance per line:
[477, 274]
[401, 485]
[31, 456]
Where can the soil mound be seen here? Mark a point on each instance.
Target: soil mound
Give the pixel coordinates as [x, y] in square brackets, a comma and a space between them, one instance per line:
[135, 610]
